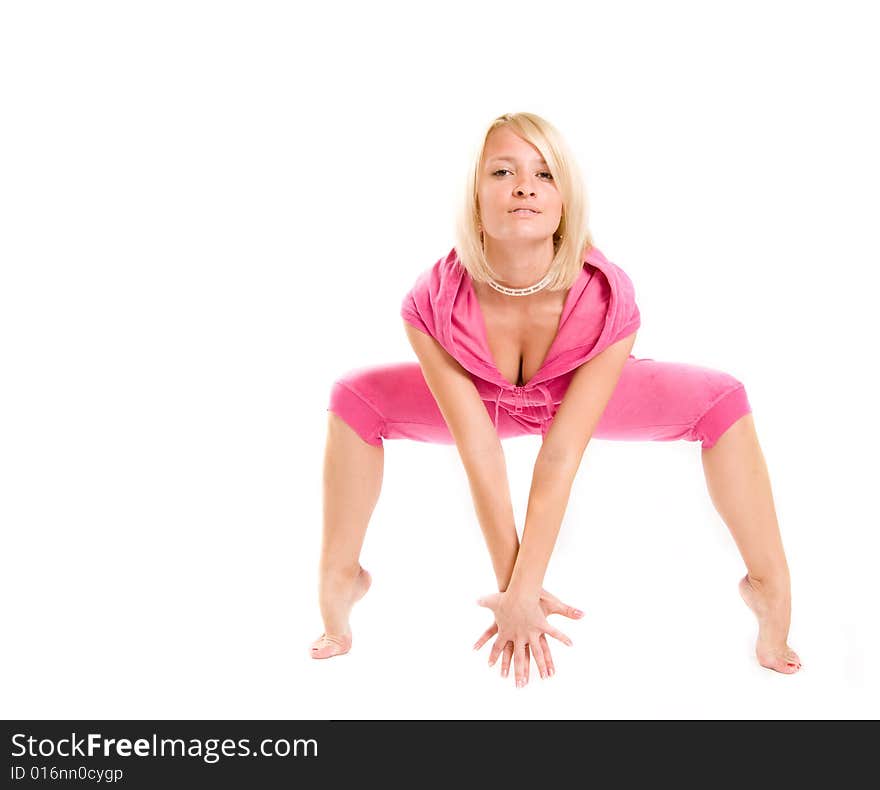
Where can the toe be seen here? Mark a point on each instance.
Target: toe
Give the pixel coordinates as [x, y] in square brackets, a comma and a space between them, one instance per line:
[786, 667]
[325, 651]
[327, 646]
[785, 661]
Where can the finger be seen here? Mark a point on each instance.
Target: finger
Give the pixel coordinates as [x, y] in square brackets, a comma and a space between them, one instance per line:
[486, 636]
[519, 663]
[488, 601]
[569, 611]
[528, 662]
[497, 647]
[505, 659]
[538, 654]
[566, 610]
[548, 659]
[557, 634]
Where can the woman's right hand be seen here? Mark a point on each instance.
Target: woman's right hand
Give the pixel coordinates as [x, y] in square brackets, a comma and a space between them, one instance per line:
[550, 604]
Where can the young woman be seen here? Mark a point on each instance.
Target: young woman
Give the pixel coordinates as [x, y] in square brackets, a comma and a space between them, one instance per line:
[525, 328]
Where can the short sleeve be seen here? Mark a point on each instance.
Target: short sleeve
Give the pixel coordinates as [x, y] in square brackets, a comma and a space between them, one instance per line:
[628, 318]
[419, 304]
[410, 313]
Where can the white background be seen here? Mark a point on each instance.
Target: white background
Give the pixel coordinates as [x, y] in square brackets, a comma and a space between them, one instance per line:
[210, 211]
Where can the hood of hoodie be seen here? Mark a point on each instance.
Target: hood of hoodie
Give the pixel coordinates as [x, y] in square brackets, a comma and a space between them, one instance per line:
[443, 302]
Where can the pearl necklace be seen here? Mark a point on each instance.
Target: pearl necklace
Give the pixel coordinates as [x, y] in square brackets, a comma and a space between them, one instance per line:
[521, 291]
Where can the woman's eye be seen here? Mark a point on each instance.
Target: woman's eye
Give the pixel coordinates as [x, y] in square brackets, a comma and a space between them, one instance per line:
[505, 170]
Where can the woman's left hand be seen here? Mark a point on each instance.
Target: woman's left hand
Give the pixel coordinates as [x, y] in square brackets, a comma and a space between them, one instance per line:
[521, 621]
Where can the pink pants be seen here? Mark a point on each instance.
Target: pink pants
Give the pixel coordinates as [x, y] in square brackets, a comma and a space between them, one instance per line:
[653, 401]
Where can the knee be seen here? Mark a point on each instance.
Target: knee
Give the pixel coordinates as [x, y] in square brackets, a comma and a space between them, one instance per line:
[730, 382]
[725, 409]
[351, 401]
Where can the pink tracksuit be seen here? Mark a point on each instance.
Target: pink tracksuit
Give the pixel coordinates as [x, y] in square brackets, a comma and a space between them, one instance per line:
[653, 401]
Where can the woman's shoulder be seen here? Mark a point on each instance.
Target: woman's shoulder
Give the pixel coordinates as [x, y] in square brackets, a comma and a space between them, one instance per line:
[432, 288]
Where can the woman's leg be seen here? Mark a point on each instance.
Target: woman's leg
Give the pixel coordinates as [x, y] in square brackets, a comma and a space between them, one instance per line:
[666, 401]
[739, 485]
[367, 406]
[352, 482]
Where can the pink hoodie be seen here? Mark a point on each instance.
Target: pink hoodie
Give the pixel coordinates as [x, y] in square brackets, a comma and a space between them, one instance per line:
[599, 310]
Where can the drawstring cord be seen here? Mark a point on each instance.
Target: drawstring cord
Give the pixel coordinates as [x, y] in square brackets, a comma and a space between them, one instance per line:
[518, 394]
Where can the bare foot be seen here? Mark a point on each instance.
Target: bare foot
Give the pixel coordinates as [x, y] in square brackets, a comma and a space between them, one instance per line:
[339, 593]
[772, 606]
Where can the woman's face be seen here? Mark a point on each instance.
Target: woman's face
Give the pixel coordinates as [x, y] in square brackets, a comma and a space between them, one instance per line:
[514, 175]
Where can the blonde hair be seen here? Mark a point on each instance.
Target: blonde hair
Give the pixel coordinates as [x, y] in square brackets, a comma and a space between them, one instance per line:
[572, 238]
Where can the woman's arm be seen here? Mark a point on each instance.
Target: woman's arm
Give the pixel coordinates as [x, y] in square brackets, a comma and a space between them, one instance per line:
[478, 446]
[557, 463]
